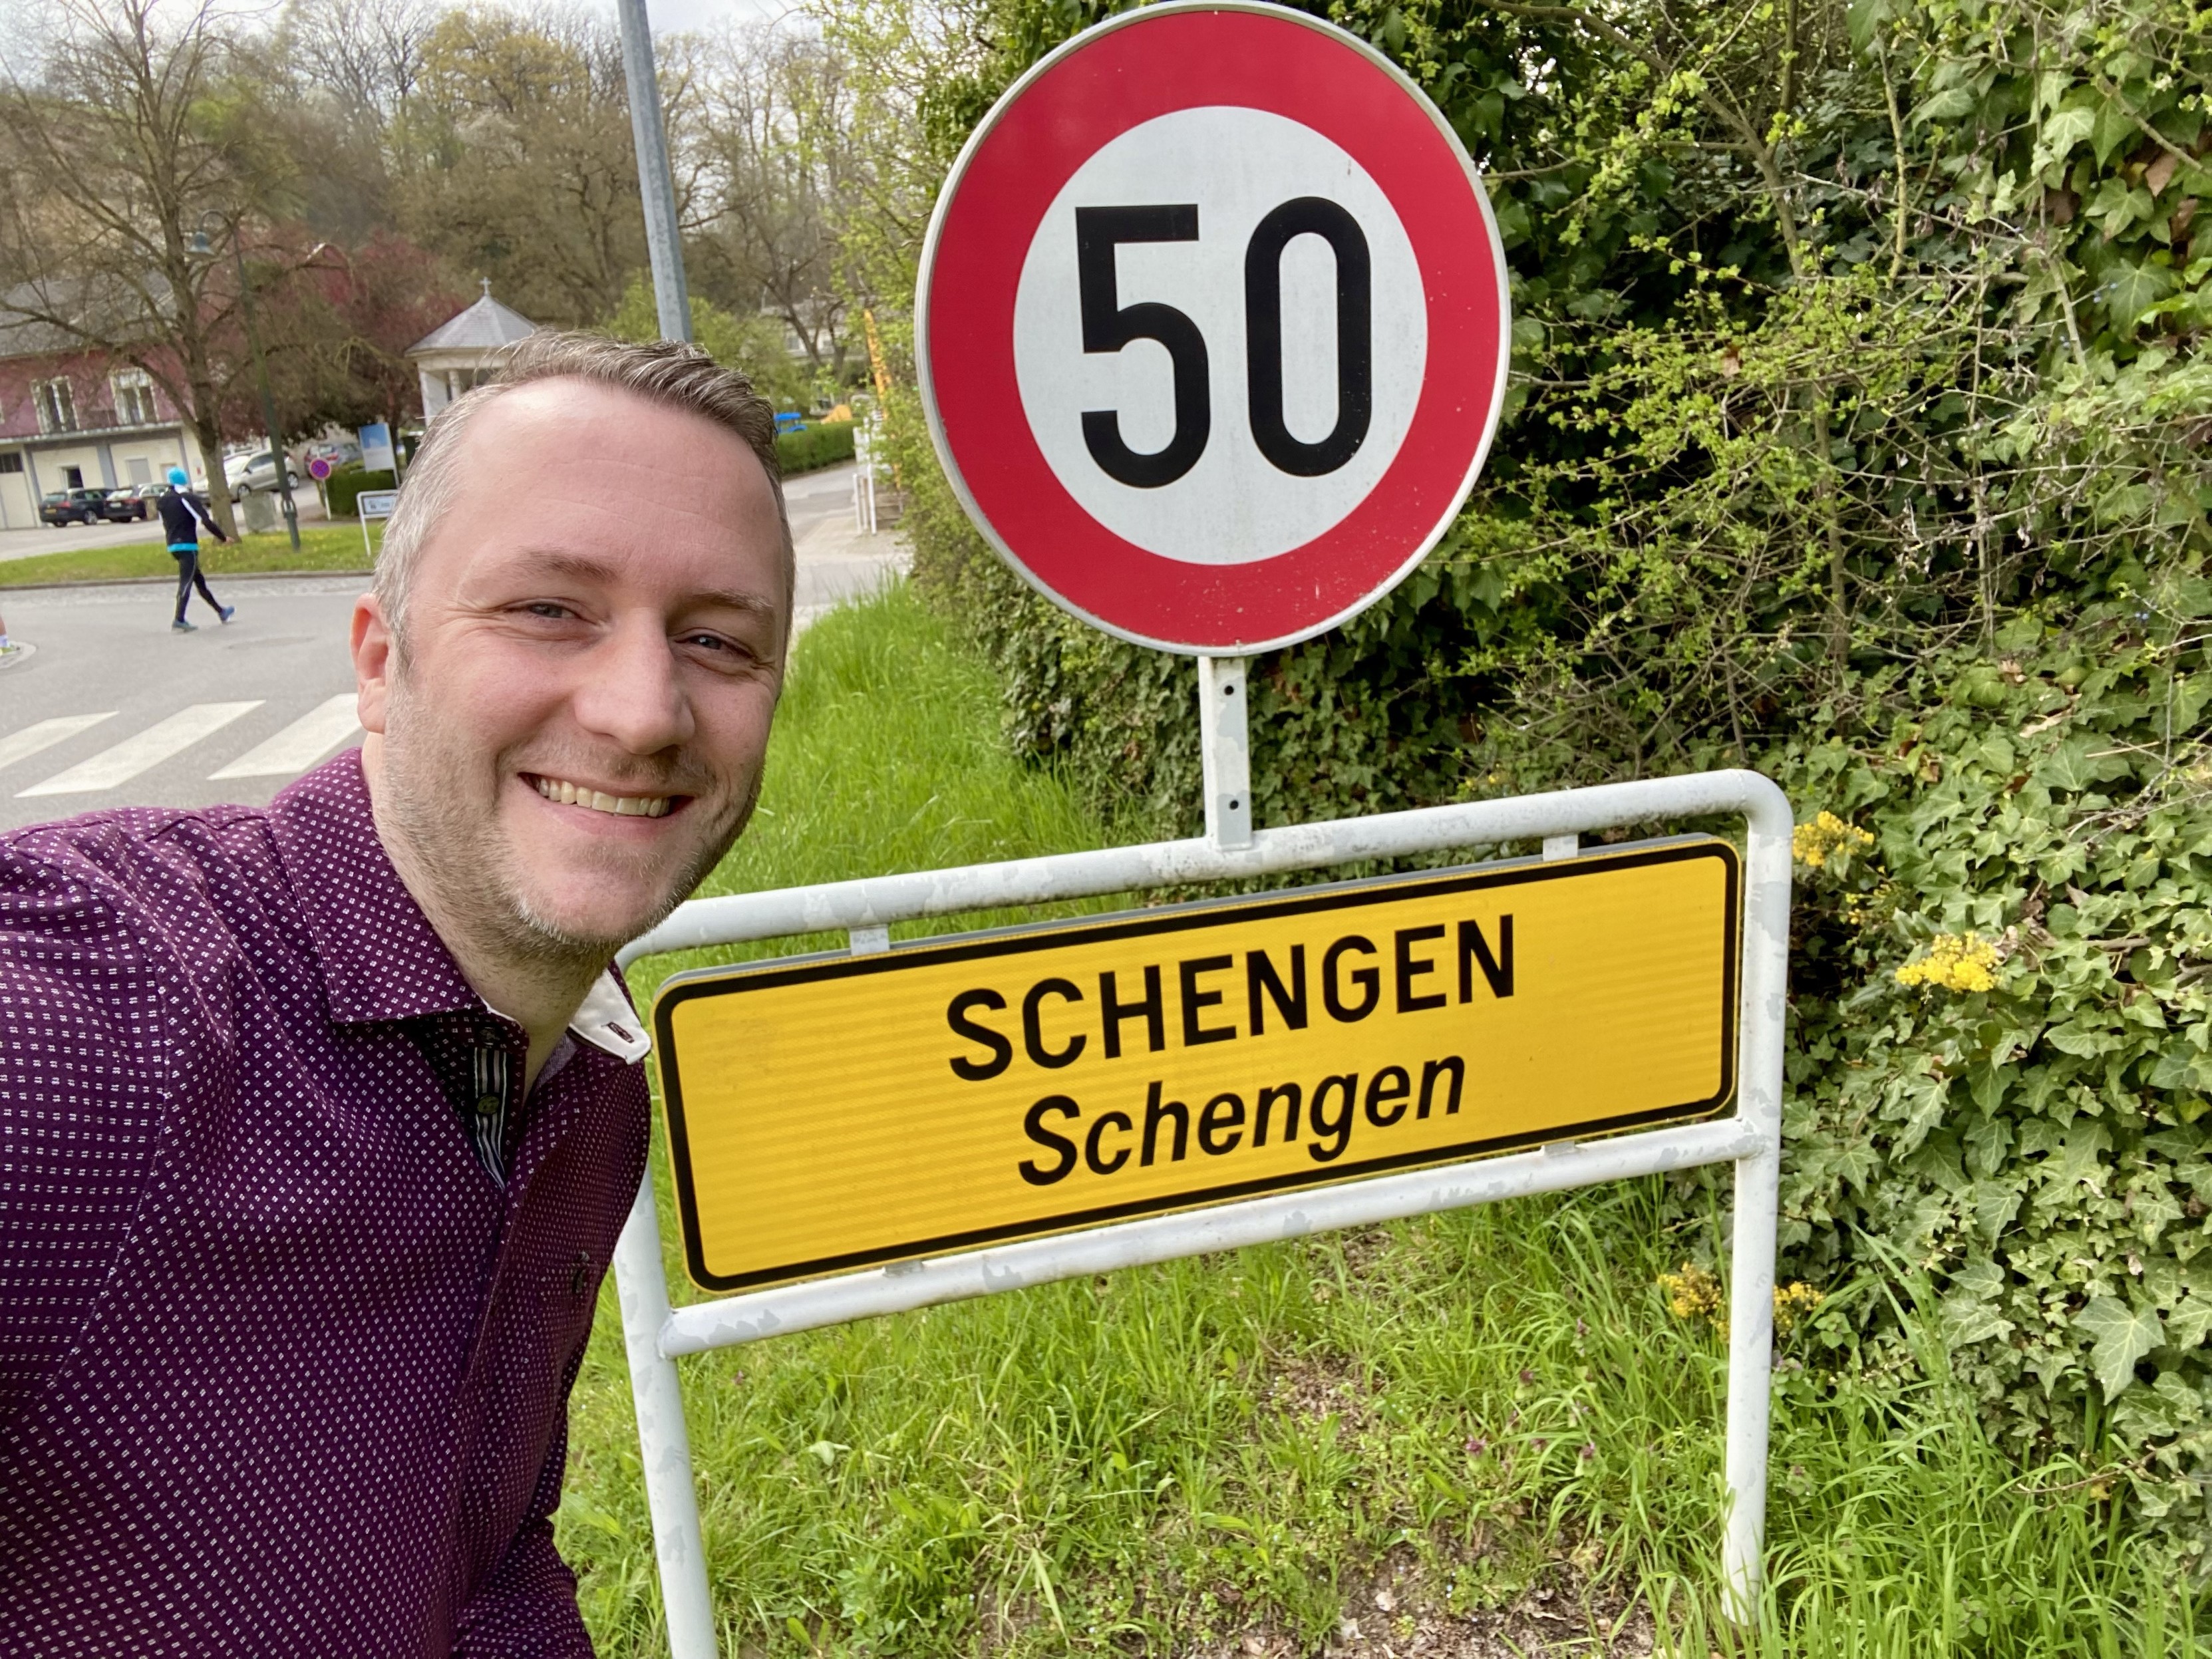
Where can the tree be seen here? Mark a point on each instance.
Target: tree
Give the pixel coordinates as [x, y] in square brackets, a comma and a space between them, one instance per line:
[127, 165]
[336, 333]
[776, 159]
[513, 160]
[753, 344]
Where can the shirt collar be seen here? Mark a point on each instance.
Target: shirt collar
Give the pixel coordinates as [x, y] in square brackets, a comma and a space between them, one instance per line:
[606, 1021]
[380, 958]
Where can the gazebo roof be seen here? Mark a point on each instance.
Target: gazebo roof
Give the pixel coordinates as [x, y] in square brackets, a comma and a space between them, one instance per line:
[487, 326]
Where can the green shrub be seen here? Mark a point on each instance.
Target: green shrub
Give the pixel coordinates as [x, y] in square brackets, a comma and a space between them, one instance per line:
[1855, 435]
[2000, 1053]
[343, 488]
[812, 447]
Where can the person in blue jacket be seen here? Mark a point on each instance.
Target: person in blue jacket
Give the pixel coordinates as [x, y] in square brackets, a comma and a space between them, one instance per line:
[184, 515]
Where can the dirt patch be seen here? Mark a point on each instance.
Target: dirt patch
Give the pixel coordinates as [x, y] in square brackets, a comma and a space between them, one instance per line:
[1318, 1386]
[1393, 1615]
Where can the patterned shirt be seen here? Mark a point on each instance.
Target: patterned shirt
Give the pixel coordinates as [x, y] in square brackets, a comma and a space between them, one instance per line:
[292, 1293]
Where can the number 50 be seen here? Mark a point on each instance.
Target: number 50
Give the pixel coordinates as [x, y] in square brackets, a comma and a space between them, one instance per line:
[1109, 326]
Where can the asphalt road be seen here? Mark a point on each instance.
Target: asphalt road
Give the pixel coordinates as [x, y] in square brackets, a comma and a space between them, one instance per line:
[110, 708]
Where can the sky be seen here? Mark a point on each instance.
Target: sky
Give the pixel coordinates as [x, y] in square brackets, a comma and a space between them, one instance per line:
[673, 17]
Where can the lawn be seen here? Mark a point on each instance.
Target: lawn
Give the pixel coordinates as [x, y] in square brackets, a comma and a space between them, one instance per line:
[1427, 1438]
[322, 547]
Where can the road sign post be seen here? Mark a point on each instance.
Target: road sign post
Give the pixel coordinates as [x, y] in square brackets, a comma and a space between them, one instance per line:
[1212, 334]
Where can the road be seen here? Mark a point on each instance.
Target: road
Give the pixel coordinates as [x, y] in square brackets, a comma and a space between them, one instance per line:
[112, 710]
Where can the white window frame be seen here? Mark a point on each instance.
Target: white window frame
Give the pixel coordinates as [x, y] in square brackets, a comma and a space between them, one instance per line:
[52, 408]
[134, 384]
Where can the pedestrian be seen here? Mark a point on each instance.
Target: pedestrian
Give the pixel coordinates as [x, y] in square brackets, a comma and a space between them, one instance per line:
[319, 1119]
[7, 649]
[184, 515]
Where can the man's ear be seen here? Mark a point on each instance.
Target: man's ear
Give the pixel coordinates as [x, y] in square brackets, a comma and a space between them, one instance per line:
[375, 656]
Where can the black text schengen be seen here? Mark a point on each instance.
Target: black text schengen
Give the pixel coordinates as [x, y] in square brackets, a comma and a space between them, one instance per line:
[1228, 998]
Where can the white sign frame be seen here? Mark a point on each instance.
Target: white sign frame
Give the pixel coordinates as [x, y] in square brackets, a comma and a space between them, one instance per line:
[373, 504]
[655, 1334]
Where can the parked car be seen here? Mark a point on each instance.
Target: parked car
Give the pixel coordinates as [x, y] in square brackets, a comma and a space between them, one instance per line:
[121, 506]
[64, 507]
[248, 473]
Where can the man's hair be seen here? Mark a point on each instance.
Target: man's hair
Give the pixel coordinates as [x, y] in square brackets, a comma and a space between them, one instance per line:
[664, 372]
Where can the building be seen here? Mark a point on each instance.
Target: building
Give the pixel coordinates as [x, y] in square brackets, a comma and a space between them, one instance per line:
[71, 417]
[463, 352]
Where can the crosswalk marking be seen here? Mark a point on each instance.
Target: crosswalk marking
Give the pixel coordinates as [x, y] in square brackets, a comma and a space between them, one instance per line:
[156, 744]
[45, 734]
[300, 744]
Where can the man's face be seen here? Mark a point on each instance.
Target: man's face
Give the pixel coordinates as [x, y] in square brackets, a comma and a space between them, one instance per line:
[571, 735]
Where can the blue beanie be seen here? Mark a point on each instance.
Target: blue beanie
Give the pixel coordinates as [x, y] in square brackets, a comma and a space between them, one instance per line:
[178, 478]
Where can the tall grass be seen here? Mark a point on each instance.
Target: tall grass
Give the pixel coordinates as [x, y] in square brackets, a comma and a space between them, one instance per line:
[1411, 1427]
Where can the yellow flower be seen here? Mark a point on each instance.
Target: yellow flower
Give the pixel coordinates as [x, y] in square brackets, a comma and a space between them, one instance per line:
[1813, 843]
[1793, 1302]
[1954, 964]
[1694, 1293]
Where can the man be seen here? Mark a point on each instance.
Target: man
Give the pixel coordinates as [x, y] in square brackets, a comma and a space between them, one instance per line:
[318, 1122]
[183, 514]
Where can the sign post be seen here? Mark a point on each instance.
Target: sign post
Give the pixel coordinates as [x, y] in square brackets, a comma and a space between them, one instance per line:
[1211, 333]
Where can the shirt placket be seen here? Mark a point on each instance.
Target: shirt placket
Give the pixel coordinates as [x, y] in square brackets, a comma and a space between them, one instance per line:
[489, 1098]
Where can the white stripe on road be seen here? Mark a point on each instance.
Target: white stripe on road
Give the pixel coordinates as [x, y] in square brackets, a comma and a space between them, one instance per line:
[45, 734]
[300, 744]
[156, 744]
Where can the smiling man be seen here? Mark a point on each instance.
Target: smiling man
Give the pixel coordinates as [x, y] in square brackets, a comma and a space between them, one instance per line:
[318, 1122]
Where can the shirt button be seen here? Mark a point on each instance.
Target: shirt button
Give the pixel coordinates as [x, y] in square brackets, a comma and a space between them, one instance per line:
[487, 1104]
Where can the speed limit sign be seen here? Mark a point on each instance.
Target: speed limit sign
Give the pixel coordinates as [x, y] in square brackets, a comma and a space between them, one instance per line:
[1211, 326]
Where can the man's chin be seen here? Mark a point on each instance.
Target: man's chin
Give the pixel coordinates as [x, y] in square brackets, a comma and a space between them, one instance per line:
[596, 924]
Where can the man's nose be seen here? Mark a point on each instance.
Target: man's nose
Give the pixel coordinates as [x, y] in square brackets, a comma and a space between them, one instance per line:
[632, 694]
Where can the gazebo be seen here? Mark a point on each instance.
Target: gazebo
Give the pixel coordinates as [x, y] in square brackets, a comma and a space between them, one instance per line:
[463, 352]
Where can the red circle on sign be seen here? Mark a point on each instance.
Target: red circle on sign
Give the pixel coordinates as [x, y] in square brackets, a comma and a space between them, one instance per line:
[1098, 86]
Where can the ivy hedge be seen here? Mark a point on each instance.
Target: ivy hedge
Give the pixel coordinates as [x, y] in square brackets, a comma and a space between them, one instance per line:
[1857, 434]
[811, 446]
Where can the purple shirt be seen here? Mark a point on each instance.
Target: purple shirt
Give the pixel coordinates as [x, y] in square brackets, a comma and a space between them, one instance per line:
[284, 1366]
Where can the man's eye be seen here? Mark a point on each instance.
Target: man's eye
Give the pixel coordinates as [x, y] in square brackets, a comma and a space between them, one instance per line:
[549, 608]
[710, 641]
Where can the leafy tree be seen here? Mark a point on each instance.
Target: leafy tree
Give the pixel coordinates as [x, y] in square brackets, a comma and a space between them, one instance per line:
[753, 344]
[512, 158]
[128, 162]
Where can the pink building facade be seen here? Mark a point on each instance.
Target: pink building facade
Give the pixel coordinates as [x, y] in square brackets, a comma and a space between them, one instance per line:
[70, 418]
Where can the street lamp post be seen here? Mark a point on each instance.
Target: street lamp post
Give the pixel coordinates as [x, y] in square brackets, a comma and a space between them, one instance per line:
[260, 369]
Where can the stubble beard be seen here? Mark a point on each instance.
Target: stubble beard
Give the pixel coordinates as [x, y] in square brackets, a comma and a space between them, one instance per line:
[459, 852]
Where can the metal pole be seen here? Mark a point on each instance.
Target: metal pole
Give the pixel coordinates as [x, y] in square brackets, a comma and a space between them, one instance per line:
[1757, 1193]
[268, 403]
[1225, 751]
[678, 1545]
[656, 182]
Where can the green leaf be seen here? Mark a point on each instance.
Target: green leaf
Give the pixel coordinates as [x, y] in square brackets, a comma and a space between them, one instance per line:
[1945, 106]
[2188, 1324]
[2060, 134]
[2131, 290]
[2123, 1336]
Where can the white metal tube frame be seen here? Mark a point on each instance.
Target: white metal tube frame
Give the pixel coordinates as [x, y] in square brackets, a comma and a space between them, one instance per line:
[1751, 1139]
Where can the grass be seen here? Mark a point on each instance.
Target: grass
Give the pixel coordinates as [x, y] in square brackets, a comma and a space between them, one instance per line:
[322, 547]
[1488, 1420]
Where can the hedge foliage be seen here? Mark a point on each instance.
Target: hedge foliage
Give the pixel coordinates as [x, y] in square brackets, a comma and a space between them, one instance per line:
[812, 447]
[1856, 433]
[343, 488]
